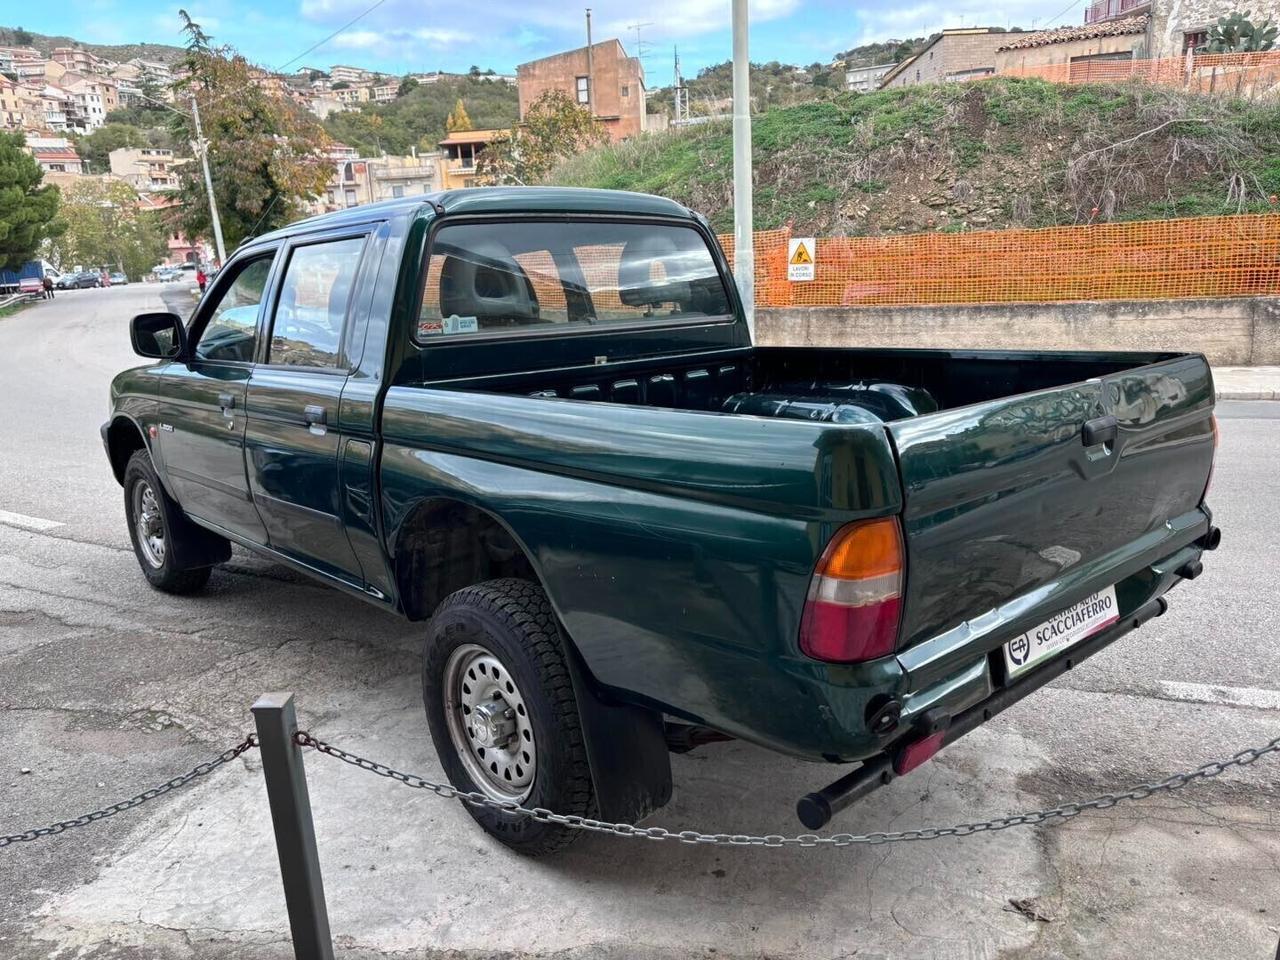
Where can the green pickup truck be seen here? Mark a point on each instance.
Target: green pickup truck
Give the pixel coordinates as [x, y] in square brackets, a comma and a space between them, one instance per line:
[535, 419]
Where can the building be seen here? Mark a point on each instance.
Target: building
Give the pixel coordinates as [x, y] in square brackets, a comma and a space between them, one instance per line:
[146, 169]
[611, 83]
[12, 112]
[358, 180]
[344, 74]
[77, 60]
[865, 79]
[1081, 49]
[1176, 26]
[459, 152]
[953, 55]
[384, 92]
[55, 154]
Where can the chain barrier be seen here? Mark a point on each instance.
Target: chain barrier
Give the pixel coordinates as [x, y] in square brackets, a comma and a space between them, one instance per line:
[200, 770]
[1063, 811]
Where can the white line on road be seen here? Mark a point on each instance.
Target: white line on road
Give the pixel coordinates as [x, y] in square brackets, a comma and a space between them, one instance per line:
[22, 521]
[1217, 694]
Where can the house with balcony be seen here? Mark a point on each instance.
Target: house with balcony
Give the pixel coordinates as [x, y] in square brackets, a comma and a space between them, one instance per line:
[12, 114]
[146, 169]
[358, 180]
[459, 152]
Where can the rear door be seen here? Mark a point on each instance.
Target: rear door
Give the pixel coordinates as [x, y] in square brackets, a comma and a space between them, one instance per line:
[202, 402]
[293, 434]
[1008, 498]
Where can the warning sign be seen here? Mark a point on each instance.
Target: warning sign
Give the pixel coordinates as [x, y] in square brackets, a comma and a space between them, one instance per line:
[801, 254]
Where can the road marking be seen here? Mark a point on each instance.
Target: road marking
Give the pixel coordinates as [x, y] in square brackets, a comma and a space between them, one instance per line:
[1218, 694]
[22, 521]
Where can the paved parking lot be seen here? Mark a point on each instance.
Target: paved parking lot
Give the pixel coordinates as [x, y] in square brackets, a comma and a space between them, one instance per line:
[109, 687]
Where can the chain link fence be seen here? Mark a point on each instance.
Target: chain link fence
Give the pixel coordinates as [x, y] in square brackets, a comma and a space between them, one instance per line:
[1064, 811]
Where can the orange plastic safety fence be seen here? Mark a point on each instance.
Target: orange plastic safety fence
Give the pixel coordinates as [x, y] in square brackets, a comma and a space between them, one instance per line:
[1234, 256]
[1249, 75]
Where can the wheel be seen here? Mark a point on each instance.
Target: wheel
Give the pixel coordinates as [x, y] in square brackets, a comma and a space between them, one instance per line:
[160, 531]
[502, 710]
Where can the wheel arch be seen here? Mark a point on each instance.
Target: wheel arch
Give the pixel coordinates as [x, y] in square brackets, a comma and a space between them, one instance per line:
[124, 438]
[445, 544]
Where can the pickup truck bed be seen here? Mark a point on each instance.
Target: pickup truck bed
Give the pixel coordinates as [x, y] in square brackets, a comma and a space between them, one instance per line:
[544, 406]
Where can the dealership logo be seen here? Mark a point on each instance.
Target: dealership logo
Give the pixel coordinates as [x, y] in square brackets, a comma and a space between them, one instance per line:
[1019, 650]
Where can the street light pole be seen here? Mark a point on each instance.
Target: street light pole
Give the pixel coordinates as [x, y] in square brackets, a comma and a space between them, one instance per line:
[202, 148]
[744, 267]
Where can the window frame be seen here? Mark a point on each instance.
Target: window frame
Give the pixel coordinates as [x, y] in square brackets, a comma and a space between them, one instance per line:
[227, 276]
[545, 331]
[267, 320]
[582, 89]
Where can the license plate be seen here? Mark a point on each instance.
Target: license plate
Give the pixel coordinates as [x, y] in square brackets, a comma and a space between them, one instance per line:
[1093, 613]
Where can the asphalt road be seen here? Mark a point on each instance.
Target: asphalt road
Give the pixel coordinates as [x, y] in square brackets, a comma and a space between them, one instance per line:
[107, 687]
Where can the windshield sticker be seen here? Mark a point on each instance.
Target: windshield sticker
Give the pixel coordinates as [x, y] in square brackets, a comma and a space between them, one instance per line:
[457, 324]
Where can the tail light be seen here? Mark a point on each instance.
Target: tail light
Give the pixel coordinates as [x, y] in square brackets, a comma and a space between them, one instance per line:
[855, 598]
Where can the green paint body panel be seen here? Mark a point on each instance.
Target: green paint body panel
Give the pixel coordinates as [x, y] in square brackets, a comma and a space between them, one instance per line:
[675, 541]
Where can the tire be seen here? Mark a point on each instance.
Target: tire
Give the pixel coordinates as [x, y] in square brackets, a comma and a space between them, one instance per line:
[503, 635]
[145, 500]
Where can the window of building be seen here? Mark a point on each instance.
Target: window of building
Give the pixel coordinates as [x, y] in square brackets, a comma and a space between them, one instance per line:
[1194, 40]
[626, 90]
[397, 191]
[307, 328]
[584, 91]
[351, 198]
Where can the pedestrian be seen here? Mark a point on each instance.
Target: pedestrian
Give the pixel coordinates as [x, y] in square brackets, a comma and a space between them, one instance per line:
[201, 279]
[47, 283]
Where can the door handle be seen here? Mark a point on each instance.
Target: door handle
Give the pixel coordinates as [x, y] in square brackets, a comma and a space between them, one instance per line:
[226, 401]
[315, 415]
[1100, 430]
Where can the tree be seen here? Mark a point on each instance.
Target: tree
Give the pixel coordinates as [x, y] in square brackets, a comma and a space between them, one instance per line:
[105, 227]
[23, 38]
[554, 129]
[95, 149]
[407, 85]
[340, 85]
[458, 119]
[27, 208]
[1238, 34]
[266, 156]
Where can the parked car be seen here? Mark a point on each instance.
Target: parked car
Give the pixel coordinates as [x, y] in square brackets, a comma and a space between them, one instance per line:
[119, 280]
[79, 280]
[534, 418]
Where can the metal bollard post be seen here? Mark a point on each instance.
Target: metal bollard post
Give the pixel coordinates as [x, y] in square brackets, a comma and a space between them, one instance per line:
[295, 833]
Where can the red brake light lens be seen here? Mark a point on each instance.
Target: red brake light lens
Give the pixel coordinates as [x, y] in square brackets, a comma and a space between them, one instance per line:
[855, 598]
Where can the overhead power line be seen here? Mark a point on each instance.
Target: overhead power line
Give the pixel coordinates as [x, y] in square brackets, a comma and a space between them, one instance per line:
[316, 46]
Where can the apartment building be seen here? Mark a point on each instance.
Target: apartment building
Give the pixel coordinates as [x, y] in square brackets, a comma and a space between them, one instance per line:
[866, 79]
[608, 81]
[953, 55]
[77, 60]
[358, 180]
[55, 154]
[146, 169]
[12, 115]
[459, 154]
[344, 74]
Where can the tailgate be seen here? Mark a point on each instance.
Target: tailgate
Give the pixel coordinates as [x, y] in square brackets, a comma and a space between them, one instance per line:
[1004, 496]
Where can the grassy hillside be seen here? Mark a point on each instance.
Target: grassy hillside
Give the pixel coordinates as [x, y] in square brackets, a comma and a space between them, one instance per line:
[112, 51]
[994, 153]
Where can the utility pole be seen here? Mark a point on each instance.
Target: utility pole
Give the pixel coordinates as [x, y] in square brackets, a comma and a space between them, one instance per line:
[591, 82]
[744, 268]
[202, 148]
[677, 86]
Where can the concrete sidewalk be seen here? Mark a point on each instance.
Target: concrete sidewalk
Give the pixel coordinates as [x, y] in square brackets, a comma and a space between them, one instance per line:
[1247, 383]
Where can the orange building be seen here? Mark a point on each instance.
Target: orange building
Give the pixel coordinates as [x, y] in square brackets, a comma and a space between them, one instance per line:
[613, 85]
[458, 154]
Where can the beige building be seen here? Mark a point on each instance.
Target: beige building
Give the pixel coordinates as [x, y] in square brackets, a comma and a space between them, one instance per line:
[612, 84]
[1082, 49]
[953, 55]
[12, 114]
[359, 180]
[146, 169]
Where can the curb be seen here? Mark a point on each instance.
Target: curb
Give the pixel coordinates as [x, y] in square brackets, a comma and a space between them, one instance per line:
[1248, 394]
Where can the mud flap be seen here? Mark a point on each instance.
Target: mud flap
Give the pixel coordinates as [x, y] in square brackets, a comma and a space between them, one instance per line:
[627, 750]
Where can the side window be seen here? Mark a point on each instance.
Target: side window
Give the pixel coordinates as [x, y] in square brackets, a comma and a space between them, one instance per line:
[311, 311]
[231, 332]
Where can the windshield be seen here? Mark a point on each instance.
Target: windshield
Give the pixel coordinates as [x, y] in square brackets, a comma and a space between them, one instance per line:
[493, 276]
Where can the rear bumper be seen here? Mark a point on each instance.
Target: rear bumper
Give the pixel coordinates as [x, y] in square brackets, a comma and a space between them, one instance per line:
[960, 675]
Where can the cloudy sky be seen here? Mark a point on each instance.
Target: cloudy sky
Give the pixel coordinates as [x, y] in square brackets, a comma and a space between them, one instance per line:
[412, 35]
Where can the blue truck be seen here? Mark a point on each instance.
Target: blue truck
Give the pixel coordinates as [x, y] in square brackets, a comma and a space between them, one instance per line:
[28, 278]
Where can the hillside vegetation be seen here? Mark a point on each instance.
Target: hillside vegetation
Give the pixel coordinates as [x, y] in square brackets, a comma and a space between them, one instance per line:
[993, 153]
[17, 36]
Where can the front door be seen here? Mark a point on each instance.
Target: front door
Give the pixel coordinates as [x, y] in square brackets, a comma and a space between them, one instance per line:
[202, 403]
[294, 434]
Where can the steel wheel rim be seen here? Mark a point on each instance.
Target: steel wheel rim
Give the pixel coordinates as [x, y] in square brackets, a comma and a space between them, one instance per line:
[148, 523]
[481, 696]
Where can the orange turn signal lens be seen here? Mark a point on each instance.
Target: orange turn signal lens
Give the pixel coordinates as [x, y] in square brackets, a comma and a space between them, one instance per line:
[860, 551]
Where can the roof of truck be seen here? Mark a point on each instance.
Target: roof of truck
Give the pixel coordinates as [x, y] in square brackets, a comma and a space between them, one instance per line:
[482, 200]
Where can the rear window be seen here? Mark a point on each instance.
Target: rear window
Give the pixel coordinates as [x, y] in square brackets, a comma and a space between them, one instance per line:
[491, 277]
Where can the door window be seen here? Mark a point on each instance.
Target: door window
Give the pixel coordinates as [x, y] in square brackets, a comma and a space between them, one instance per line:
[231, 332]
[311, 311]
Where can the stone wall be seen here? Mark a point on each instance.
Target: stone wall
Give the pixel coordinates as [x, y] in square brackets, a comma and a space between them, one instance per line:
[1171, 20]
[1244, 331]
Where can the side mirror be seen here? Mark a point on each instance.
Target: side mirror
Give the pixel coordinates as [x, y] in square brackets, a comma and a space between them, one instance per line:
[159, 336]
